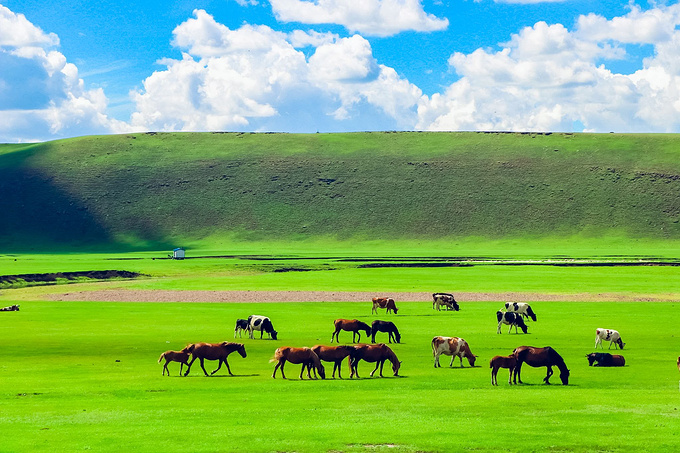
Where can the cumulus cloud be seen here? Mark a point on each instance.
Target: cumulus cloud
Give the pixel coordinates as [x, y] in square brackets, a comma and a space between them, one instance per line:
[367, 17]
[549, 78]
[41, 95]
[255, 78]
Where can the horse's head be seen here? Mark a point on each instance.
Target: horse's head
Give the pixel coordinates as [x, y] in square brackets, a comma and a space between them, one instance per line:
[564, 377]
[366, 328]
[189, 348]
[242, 350]
[397, 336]
[395, 367]
[321, 370]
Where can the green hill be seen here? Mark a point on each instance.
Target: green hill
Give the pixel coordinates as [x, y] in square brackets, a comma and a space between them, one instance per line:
[160, 190]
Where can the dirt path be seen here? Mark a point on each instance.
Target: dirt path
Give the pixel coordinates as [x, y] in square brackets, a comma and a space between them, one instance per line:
[128, 295]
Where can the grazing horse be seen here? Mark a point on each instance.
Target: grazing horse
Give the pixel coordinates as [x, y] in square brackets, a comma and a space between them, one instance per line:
[335, 354]
[305, 356]
[384, 302]
[377, 353]
[214, 351]
[350, 325]
[605, 359]
[502, 362]
[175, 356]
[538, 357]
[385, 326]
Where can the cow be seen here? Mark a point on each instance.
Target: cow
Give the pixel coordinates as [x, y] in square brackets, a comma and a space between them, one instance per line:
[241, 325]
[263, 324]
[521, 308]
[453, 346]
[512, 319]
[612, 336]
[446, 299]
[605, 359]
[384, 302]
[10, 308]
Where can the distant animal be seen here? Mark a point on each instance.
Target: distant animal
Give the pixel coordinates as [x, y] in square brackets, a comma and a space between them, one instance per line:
[263, 324]
[350, 325]
[385, 326]
[214, 351]
[446, 299]
[612, 336]
[539, 357]
[521, 308]
[10, 308]
[377, 353]
[502, 362]
[453, 346]
[605, 359]
[384, 302]
[304, 356]
[176, 356]
[512, 319]
[678, 363]
[241, 325]
[335, 354]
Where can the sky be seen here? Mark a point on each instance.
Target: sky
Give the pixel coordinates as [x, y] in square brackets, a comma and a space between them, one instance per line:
[76, 67]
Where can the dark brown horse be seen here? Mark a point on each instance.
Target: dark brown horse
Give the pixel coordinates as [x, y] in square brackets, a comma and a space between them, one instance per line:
[538, 357]
[335, 354]
[378, 353]
[214, 351]
[385, 326]
[350, 325]
[305, 356]
[499, 362]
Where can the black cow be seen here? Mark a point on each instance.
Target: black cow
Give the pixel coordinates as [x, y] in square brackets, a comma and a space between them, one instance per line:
[241, 325]
[263, 324]
[605, 359]
[513, 319]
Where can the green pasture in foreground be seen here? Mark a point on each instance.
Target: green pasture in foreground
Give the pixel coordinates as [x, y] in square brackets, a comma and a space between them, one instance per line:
[83, 376]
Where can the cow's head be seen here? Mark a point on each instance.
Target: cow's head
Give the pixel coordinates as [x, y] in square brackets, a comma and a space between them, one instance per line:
[274, 334]
[471, 360]
[620, 343]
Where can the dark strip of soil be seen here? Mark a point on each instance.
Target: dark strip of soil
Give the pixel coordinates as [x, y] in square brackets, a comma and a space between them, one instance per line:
[53, 277]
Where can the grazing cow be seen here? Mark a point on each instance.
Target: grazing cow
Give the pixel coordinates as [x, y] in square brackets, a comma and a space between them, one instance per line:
[605, 359]
[241, 325]
[176, 356]
[384, 302]
[305, 356]
[377, 353]
[263, 324]
[502, 362]
[10, 308]
[350, 325]
[385, 326]
[521, 308]
[453, 346]
[446, 299]
[612, 336]
[335, 354]
[512, 319]
[214, 351]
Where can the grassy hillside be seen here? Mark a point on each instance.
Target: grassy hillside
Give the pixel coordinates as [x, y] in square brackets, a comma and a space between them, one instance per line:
[162, 190]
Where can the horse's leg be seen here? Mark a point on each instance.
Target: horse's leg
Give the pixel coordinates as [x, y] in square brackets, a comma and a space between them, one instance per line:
[338, 365]
[382, 362]
[390, 335]
[193, 358]
[518, 373]
[219, 365]
[201, 359]
[547, 377]
[494, 371]
[509, 376]
[165, 368]
[377, 364]
[227, 364]
[303, 369]
[276, 368]
[181, 364]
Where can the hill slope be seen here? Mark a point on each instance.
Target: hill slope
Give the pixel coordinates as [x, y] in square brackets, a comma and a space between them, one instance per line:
[158, 190]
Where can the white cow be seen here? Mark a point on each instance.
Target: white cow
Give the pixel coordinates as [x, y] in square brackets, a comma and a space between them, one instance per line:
[521, 308]
[453, 346]
[612, 336]
[263, 324]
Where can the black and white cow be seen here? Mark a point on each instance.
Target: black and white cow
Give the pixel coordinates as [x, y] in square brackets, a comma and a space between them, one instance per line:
[521, 308]
[446, 299]
[263, 324]
[10, 308]
[512, 319]
[612, 336]
[241, 325]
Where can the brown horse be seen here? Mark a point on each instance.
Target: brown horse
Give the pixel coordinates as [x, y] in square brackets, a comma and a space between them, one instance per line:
[335, 354]
[378, 353]
[305, 356]
[175, 356]
[214, 351]
[502, 362]
[538, 357]
[350, 325]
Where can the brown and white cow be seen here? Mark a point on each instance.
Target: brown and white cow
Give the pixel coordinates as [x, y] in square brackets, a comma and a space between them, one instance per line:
[453, 346]
[384, 302]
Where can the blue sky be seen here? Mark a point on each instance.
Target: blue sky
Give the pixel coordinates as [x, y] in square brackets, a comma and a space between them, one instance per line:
[70, 68]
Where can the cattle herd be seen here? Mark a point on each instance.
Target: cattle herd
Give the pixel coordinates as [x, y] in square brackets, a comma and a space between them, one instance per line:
[311, 358]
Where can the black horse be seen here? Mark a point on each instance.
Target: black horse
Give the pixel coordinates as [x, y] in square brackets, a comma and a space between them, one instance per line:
[388, 327]
[538, 357]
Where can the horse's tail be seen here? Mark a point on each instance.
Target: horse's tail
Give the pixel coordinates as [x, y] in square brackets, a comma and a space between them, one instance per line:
[277, 355]
[161, 357]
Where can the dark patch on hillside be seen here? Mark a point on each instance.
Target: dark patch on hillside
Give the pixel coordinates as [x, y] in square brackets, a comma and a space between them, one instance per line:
[51, 278]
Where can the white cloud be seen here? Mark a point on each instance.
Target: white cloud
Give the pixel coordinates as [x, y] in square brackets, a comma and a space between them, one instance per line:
[368, 17]
[254, 78]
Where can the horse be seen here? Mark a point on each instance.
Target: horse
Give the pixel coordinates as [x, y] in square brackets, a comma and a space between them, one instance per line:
[214, 351]
[351, 325]
[538, 357]
[335, 354]
[305, 356]
[175, 356]
[502, 362]
[378, 353]
[385, 326]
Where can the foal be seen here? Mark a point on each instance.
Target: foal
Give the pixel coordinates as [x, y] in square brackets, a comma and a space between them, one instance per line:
[502, 362]
[176, 356]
